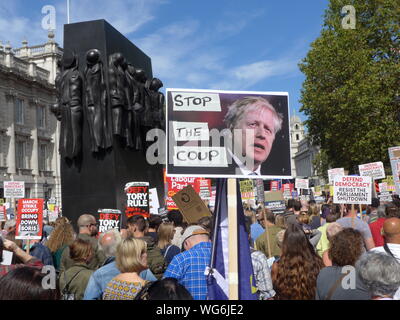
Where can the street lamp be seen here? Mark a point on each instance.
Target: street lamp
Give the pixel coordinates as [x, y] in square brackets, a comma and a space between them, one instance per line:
[45, 190]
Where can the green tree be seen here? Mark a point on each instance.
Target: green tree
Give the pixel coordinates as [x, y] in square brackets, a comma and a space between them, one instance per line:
[352, 80]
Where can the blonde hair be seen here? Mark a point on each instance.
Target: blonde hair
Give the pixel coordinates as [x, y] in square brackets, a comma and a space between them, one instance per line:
[165, 234]
[129, 253]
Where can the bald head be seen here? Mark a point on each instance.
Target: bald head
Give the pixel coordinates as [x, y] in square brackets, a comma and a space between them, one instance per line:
[87, 224]
[109, 242]
[391, 229]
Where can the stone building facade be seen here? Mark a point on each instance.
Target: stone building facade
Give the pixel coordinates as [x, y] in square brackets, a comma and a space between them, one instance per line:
[28, 131]
[296, 135]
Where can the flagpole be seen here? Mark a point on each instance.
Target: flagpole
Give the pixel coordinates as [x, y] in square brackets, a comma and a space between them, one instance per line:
[233, 241]
[216, 222]
[68, 11]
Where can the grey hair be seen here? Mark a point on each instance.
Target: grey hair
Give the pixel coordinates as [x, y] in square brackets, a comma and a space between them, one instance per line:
[381, 211]
[279, 238]
[110, 249]
[10, 224]
[236, 111]
[85, 220]
[380, 273]
[332, 229]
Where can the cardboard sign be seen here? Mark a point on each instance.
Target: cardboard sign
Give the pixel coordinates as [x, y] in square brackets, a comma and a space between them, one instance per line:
[375, 170]
[195, 122]
[3, 213]
[14, 189]
[137, 199]
[273, 196]
[191, 205]
[301, 183]
[352, 190]
[247, 189]
[385, 196]
[29, 224]
[154, 203]
[335, 172]
[109, 219]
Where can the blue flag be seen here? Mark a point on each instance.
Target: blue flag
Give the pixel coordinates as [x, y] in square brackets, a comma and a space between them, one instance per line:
[217, 279]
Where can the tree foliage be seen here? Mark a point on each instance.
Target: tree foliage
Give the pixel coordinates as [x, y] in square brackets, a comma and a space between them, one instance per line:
[352, 80]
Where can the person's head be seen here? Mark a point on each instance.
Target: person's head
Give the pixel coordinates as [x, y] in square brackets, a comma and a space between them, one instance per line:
[175, 216]
[63, 234]
[391, 230]
[325, 210]
[137, 226]
[87, 224]
[81, 251]
[154, 222]
[9, 225]
[381, 211]
[392, 211]
[290, 204]
[165, 233]
[131, 255]
[351, 209]
[331, 217]
[165, 289]
[194, 235]
[303, 218]
[109, 242]
[280, 221]
[206, 223]
[61, 220]
[332, 229]
[25, 283]
[258, 115]
[375, 203]
[380, 273]
[346, 247]
[313, 210]
[270, 216]
[297, 206]
[298, 267]
[279, 238]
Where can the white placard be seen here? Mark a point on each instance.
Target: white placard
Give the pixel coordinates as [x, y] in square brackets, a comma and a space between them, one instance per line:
[335, 172]
[153, 201]
[301, 183]
[200, 157]
[7, 258]
[14, 189]
[190, 131]
[352, 190]
[196, 101]
[374, 170]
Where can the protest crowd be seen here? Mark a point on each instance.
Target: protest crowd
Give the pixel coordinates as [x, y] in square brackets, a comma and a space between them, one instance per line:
[311, 251]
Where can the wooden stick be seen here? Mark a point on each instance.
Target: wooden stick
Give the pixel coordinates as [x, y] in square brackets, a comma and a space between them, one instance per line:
[267, 231]
[361, 213]
[233, 276]
[28, 246]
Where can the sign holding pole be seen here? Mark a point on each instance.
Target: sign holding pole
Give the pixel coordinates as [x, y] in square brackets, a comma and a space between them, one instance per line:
[232, 241]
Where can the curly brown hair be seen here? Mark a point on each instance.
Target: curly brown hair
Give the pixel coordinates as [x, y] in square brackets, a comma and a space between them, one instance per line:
[62, 235]
[346, 247]
[295, 275]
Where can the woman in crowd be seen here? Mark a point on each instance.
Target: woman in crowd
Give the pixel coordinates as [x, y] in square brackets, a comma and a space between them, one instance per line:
[380, 273]
[131, 259]
[315, 217]
[165, 235]
[345, 249]
[26, 283]
[74, 280]
[331, 230]
[294, 275]
[61, 237]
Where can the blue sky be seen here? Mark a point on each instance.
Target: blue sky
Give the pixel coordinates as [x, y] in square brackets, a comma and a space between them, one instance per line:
[252, 45]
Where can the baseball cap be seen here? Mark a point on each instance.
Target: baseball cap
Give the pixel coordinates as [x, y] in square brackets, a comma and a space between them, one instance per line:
[193, 231]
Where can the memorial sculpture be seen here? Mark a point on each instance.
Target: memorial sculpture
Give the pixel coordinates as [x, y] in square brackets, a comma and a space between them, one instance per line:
[68, 106]
[157, 103]
[96, 102]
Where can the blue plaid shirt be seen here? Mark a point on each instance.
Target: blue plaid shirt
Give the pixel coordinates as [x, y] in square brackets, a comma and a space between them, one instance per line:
[188, 268]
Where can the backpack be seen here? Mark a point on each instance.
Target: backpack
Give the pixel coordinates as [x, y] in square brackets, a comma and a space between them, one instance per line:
[156, 261]
[65, 293]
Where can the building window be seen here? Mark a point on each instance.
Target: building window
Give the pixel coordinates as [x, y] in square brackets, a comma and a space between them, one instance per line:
[41, 117]
[297, 137]
[20, 157]
[43, 157]
[27, 193]
[19, 111]
[296, 127]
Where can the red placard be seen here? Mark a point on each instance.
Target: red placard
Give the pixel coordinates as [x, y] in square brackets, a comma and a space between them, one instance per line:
[137, 202]
[29, 219]
[3, 213]
[176, 184]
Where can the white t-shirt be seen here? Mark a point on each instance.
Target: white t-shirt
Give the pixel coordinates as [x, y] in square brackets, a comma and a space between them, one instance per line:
[395, 249]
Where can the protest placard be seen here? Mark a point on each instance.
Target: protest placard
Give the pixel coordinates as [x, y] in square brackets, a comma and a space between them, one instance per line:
[352, 190]
[7, 258]
[203, 188]
[277, 207]
[191, 205]
[334, 172]
[247, 189]
[287, 189]
[154, 204]
[375, 170]
[14, 189]
[3, 213]
[394, 155]
[274, 185]
[198, 119]
[319, 199]
[29, 223]
[137, 199]
[109, 219]
[174, 185]
[301, 183]
[385, 196]
[260, 190]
